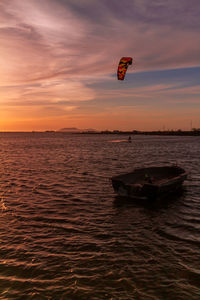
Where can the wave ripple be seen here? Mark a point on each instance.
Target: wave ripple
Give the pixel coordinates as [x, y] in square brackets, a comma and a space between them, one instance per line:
[64, 234]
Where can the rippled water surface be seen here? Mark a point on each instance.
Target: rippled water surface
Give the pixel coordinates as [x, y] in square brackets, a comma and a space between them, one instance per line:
[65, 235]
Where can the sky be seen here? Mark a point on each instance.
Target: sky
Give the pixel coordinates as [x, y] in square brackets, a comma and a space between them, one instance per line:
[59, 58]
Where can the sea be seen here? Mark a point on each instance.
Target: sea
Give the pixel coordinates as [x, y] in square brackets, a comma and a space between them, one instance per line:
[64, 234]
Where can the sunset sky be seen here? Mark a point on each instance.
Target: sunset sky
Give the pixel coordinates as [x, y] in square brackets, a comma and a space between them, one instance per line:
[58, 64]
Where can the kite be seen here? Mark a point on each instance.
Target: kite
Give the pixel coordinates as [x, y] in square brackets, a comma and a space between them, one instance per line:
[123, 66]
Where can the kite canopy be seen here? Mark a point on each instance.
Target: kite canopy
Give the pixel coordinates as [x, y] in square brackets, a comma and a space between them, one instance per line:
[123, 66]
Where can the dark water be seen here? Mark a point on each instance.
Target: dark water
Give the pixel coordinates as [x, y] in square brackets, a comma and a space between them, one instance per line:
[64, 234]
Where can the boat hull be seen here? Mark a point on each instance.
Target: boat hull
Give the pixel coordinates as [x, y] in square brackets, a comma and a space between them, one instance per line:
[151, 182]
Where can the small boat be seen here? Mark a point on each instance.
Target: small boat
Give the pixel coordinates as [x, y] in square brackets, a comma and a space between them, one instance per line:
[152, 182]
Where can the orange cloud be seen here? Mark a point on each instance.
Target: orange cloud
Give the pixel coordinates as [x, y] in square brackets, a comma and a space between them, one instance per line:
[52, 53]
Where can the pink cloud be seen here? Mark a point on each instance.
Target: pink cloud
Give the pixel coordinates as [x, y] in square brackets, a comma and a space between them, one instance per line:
[51, 41]
[51, 50]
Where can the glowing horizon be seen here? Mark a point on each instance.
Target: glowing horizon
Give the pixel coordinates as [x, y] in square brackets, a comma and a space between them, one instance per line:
[58, 63]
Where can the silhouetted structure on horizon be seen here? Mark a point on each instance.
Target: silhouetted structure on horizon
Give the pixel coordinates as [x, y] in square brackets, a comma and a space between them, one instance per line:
[179, 132]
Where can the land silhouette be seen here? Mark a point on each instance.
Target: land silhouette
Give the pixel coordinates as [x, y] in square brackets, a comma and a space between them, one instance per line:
[179, 132]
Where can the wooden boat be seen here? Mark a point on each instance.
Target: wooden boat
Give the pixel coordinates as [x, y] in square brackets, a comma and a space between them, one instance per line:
[152, 182]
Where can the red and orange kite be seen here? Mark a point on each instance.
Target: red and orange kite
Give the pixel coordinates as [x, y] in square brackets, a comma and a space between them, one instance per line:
[123, 66]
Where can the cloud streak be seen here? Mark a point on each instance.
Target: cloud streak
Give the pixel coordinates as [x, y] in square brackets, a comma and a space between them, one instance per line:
[52, 53]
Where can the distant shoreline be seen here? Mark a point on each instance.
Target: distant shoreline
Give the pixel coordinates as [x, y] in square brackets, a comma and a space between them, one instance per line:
[165, 133]
[195, 132]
